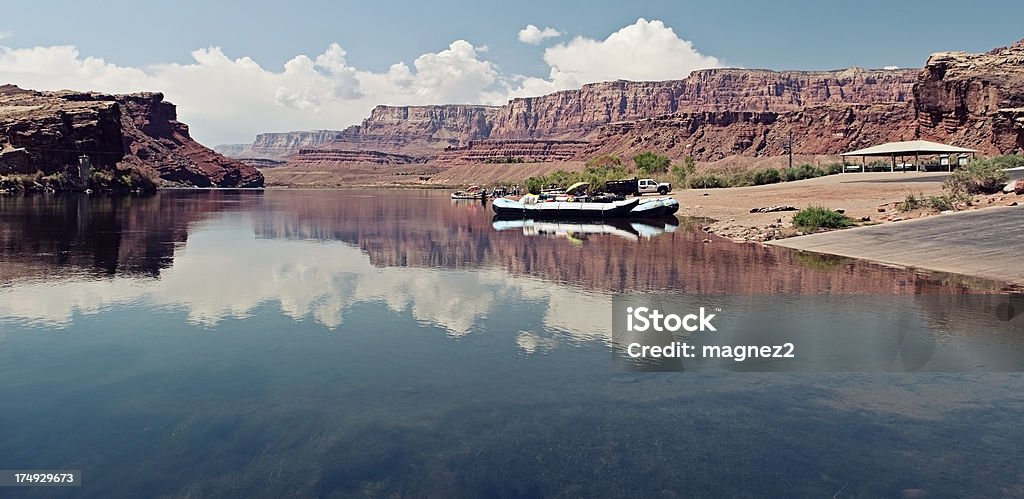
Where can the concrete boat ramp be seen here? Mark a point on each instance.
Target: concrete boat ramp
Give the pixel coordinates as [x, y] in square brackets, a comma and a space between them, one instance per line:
[986, 243]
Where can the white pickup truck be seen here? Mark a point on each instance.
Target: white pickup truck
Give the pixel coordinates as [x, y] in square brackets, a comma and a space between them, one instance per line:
[649, 185]
[637, 186]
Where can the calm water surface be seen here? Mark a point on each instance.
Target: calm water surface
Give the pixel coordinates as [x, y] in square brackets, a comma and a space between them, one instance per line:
[311, 343]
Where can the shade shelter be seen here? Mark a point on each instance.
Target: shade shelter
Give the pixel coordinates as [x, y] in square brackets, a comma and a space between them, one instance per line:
[915, 148]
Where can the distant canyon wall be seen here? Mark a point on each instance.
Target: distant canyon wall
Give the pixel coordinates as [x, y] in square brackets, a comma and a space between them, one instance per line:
[972, 100]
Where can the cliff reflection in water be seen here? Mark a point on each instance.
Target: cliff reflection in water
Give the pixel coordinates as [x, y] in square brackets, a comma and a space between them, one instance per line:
[61, 235]
[222, 254]
[416, 229]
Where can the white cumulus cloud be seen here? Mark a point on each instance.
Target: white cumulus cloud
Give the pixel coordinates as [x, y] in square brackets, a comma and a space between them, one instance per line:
[645, 50]
[228, 99]
[534, 35]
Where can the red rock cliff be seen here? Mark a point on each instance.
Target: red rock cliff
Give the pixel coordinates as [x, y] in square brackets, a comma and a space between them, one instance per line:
[47, 131]
[974, 99]
[572, 113]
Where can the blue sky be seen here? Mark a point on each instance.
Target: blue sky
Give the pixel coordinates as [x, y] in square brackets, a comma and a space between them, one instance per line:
[374, 36]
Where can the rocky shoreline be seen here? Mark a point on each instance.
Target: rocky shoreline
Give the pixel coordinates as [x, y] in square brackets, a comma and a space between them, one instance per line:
[780, 228]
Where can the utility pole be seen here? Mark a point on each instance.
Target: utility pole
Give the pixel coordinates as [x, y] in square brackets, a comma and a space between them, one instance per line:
[790, 148]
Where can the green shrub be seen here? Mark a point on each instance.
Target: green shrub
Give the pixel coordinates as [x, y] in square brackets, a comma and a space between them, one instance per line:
[650, 163]
[534, 185]
[120, 180]
[911, 202]
[767, 176]
[814, 217]
[941, 203]
[834, 168]
[980, 176]
[1008, 160]
[709, 181]
[684, 170]
[803, 172]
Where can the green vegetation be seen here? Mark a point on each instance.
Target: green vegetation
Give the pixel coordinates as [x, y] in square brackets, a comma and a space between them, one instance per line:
[941, 203]
[814, 217]
[120, 181]
[504, 160]
[980, 176]
[33, 182]
[820, 261]
[803, 172]
[767, 176]
[937, 203]
[709, 181]
[834, 168]
[763, 176]
[685, 170]
[1008, 161]
[596, 176]
[605, 161]
[911, 202]
[650, 163]
[609, 166]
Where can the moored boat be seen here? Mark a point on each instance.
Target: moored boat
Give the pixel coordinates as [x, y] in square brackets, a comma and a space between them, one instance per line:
[529, 206]
[655, 208]
[473, 192]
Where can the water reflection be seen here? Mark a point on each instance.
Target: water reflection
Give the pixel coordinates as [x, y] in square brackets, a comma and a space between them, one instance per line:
[385, 344]
[316, 255]
[578, 232]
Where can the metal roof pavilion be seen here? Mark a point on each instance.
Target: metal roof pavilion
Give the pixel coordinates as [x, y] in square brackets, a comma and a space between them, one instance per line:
[914, 148]
[910, 147]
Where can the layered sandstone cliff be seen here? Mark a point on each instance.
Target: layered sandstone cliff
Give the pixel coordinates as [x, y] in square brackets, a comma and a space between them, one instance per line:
[574, 112]
[971, 100]
[711, 136]
[48, 131]
[278, 145]
[974, 99]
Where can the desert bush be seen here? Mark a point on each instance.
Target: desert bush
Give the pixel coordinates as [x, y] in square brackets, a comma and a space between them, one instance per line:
[834, 168]
[980, 176]
[709, 181]
[803, 172]
[1008, 160]
[684, 170]
[767, 176]
[941, 203]
[911, 202]
[814, 217]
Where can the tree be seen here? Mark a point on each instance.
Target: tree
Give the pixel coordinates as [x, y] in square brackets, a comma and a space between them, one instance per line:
[651, 163]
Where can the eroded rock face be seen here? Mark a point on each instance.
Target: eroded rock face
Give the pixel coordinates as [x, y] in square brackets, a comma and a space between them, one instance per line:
[278, 145]
[971, 100]
[576, 112]
[329, 156]
[974, 99]
[48, 131]
[712, 136]
[524, 150]
[556, 127]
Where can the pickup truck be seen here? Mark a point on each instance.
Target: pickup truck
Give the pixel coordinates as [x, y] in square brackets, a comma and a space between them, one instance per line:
[637, 187]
